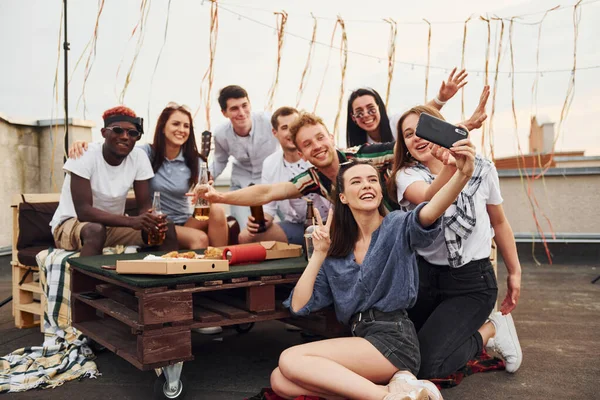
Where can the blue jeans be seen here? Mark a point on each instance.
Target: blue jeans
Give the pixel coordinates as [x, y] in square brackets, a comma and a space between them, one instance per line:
[452, 304]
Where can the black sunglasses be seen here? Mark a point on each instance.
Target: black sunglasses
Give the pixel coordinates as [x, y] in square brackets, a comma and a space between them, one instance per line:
[119, 131]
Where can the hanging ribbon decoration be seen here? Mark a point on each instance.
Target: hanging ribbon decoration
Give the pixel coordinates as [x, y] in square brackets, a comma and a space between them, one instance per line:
[343, 65]
[462, 66]
[326, 67]
[391, 56]
[571, 88]
[144, 11]
[54, 136]
[485, 125]
[209, 74]
[428, 60]
[306, 71]
[534, 87]
[498, 56]
[90, 58]
[281, 21]
[158, 57]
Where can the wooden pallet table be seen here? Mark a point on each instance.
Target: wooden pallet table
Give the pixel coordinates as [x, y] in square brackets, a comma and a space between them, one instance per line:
[147, 320]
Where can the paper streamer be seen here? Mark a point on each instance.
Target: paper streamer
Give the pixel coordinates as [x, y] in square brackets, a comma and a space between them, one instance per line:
[281, 21]
[391, 56]
[307, 66]
[428, 60]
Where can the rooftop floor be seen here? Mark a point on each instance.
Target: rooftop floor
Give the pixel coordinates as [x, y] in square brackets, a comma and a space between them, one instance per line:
[557, 320]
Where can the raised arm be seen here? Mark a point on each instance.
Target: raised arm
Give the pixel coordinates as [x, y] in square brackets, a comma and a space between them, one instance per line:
[251, 196]
[448, 89]
[306, 284]
[464, 153]
[479, 116]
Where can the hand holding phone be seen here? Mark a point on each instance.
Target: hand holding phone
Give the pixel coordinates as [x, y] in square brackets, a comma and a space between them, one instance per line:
[438, 131]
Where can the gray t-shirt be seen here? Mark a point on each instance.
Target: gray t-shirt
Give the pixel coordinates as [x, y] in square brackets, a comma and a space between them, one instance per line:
[388, 278]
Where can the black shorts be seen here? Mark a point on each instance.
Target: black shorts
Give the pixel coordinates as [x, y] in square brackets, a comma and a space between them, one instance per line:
[393, 334]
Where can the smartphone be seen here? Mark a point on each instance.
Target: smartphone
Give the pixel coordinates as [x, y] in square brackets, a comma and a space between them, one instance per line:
[438, 131]
[91, 295]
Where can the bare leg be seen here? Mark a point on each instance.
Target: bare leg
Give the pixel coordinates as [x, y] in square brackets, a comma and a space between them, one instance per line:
[190, 238]
[281, 385]
[93, 236]
[345, 367]
[216, 227]
[487, 331]
[273, 233]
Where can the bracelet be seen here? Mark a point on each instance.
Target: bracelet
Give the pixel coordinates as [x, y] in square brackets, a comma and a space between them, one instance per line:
[438, 101]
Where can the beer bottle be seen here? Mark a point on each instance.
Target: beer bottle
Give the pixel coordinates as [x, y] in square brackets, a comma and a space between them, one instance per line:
[156, 238]
[202, 207]
[259, 216]
[309, 227]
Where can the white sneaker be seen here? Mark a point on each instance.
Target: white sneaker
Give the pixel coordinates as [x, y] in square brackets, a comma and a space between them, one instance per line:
[406, 383]
[506, 341]
[211, 330]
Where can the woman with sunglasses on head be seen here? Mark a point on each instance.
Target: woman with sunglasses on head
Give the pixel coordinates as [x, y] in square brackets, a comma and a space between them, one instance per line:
[176, 163]
[458, 288]
[368, 122]
[364, 264]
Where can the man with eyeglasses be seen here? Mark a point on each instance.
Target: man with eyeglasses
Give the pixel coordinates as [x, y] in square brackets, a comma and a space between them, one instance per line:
[246, 138]
[90, 213]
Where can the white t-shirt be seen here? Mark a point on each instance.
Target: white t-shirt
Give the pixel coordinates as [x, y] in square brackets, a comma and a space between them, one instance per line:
[479, 243]
[275, 170]
[110, 184]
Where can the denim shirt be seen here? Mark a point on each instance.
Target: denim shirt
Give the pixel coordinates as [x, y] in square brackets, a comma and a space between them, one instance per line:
[388, 278]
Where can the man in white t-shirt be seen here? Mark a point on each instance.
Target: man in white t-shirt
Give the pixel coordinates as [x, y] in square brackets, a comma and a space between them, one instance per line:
[282, 166]
[246, 138]
[90, 213]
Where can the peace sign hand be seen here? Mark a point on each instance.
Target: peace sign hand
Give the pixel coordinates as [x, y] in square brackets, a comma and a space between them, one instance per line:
[320, 236]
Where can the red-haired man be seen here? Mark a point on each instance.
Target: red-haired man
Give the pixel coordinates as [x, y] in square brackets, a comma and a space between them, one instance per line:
[90, 214]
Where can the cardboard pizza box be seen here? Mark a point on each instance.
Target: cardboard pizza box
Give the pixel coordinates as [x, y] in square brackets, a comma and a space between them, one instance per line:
[281, 250]
[171, 266]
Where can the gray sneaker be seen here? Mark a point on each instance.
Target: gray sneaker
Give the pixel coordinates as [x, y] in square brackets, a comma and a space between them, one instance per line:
[506, 342]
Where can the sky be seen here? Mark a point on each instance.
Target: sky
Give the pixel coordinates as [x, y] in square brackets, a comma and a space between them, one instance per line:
[246, 55]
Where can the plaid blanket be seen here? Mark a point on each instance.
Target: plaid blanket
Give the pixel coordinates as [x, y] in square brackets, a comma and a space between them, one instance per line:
[64, 355]
[460, 221]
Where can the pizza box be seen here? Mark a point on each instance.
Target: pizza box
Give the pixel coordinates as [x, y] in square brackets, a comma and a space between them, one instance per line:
[276, 250]
[174, 266]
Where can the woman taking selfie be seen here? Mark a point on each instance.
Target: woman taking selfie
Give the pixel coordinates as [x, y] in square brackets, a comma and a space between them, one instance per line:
[458, 288]
[364, 264]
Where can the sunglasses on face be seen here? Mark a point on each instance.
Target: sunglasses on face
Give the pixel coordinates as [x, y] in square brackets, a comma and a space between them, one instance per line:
[177, 106]
[119, 131]
[360, 114]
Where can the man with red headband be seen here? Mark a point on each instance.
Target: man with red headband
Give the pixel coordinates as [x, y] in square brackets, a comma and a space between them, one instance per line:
[90, 214]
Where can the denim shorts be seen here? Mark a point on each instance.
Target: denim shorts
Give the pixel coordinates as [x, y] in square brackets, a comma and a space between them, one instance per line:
[393, 334]
[294, 232]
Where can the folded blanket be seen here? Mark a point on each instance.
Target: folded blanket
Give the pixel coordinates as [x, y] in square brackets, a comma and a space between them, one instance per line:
[64, 355]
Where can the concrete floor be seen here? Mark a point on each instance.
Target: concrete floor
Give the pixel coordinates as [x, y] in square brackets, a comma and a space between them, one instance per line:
[557, 320]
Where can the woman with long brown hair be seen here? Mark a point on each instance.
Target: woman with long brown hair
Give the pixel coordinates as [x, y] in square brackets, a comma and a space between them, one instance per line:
[176, 163]
[457, 286]
[368, 271]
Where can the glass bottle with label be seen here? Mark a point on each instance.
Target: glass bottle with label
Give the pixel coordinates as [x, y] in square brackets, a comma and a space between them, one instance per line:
[309, 227]
[156, 238]
[202, 207]
[259, 216]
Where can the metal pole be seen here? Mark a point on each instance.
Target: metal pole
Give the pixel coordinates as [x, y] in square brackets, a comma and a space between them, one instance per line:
[66, 51]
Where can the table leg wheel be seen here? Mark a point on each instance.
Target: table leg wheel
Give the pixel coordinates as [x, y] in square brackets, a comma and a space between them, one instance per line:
[162, 390]
[244, 328]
